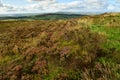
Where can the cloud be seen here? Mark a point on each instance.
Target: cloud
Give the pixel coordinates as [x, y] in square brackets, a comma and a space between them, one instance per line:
[53, 6]
[111, 7]
[118, 0]
[6, 7]
[1, 3]
[41, 0]
[76, 5]
[95, 4]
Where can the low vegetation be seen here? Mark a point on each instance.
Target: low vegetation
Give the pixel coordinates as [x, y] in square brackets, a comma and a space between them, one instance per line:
[86, 48]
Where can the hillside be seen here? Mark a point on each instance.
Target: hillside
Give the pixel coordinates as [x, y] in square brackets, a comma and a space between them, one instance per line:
[85, 48]
[47, 16]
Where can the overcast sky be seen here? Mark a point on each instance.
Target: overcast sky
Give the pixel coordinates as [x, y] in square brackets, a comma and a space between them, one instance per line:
[42, 6]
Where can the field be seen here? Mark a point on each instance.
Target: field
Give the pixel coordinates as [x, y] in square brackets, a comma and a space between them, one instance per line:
[84, 48]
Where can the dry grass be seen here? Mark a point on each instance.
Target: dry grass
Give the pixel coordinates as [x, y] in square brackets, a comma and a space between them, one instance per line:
[59, 50]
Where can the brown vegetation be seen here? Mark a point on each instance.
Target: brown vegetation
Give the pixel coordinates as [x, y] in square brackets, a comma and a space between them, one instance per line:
[55, 50]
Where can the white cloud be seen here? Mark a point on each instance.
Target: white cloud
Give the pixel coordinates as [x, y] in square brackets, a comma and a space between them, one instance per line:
[54, 6]
[41, 0]
[1, 3]
[118, 0]
[4, 8]
[95, 4]
[111, 7]
[76, 5]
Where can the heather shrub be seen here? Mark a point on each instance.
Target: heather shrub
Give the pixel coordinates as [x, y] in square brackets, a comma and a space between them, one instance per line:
[73, 49]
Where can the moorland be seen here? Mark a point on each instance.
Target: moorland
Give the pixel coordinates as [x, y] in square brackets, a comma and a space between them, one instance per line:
[79, 48]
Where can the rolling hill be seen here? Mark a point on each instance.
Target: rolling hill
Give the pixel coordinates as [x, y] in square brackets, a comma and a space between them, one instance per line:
[47, 16]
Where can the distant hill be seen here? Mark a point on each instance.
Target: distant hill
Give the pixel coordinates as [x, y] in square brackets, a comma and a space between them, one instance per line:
[47, 16]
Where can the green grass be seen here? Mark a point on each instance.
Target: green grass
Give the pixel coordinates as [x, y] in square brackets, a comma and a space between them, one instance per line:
[112, 33]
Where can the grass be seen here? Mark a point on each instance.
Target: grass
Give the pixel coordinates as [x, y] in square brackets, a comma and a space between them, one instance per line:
[74, 49]
[112, 35]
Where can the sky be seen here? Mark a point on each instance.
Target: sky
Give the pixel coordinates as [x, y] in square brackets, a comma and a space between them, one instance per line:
[49, 6]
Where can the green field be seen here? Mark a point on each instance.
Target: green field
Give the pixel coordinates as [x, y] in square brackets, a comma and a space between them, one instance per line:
[84, 48]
